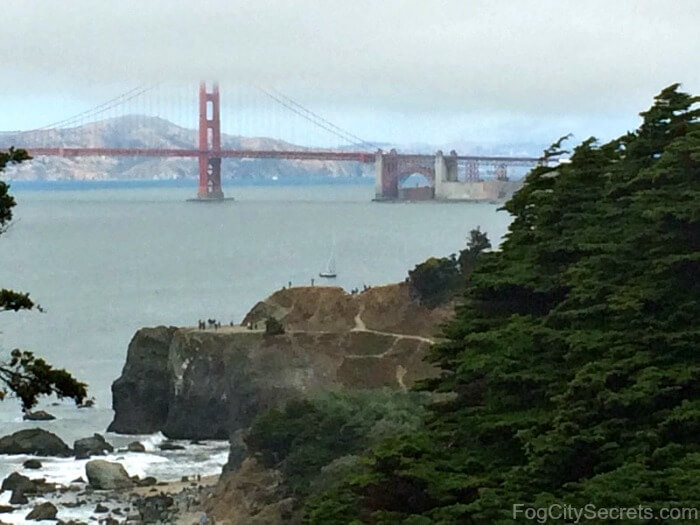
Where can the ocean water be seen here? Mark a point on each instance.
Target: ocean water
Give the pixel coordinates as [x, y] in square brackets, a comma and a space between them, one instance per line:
[104, 260]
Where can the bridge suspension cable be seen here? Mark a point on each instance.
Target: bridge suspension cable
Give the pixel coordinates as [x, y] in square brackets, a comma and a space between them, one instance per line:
[272, 94]
[316, 119]
[97, 110]
[359, 141]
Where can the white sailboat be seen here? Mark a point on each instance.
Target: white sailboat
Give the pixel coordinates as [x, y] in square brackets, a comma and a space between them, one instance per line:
[329, 272]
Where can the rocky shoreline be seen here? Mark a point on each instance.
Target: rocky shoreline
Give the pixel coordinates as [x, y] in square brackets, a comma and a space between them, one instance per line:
[105, 493]
[202, 384]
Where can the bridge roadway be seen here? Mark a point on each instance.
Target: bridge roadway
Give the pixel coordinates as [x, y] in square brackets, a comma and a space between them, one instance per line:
[353, 156]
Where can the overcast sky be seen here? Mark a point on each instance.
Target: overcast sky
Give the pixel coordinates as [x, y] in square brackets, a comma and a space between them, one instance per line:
[435, 71]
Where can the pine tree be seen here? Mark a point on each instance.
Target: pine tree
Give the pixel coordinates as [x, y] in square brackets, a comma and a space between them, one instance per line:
[572, 364]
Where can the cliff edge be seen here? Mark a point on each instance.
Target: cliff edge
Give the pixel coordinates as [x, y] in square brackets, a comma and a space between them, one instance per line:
[206, 384]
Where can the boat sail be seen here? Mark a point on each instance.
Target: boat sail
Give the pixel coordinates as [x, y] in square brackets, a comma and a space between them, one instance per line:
[329, 272]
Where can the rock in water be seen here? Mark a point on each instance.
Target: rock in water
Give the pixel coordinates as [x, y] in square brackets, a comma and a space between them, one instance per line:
[88, 403]
[34, 441]
[136, 446]
[18, 498]
[91, 446]
[170, 446]
[19, 485]
[32, 464]
[43, 511]
[104, 475]
[17, 481]
[39, 415]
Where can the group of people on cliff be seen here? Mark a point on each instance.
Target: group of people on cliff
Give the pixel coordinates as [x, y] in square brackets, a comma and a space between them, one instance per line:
[210, 323]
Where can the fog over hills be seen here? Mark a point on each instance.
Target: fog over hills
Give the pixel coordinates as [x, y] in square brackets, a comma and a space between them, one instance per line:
[136, 131]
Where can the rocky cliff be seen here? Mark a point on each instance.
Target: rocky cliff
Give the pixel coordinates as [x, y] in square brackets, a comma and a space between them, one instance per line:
[206, 384]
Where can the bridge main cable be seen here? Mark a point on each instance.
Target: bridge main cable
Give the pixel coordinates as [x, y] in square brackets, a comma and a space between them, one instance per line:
[359, 141]
[314, 119]
[97, 110]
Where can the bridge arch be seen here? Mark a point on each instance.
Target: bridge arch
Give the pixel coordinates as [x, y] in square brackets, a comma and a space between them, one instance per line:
[416, 184]
[392, 170]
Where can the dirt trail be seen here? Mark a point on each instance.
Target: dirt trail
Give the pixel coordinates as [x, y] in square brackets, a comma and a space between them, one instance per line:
[359, 327]
[359, 323]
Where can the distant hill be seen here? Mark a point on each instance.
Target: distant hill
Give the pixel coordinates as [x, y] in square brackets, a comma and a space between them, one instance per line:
[135, 131]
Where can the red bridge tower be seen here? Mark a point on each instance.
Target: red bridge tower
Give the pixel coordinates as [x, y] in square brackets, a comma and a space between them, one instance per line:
[209, 144]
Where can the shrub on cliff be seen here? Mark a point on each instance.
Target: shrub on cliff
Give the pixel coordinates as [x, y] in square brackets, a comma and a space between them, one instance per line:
[574, 359]
[273, 326]
[24, 375]
[307, 435]
[437, 280]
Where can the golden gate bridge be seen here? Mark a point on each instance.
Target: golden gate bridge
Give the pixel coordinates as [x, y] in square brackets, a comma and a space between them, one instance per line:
[390, 167]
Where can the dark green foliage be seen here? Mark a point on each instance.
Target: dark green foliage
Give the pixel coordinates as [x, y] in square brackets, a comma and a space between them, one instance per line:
[29, 377]
[573, 358]
[477, 243]
[437, 280]
[25, 376]
[273, 326]
[6, 200]
[15, 301]
[306, 436]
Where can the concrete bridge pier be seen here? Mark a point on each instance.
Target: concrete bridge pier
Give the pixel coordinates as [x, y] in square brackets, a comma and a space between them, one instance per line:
[386, 173]
[378, 174]
[445, 171]
[440, 174]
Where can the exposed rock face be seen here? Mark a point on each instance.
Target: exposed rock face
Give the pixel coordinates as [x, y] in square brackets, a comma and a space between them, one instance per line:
[140, 395]
[104, 475]
[218, 381]
[43, 511]
[207, 384]
[238, 451]
[250, 495]
[91, 446]
[34, 441]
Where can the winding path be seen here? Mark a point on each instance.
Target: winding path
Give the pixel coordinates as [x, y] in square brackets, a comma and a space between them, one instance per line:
[361, 327]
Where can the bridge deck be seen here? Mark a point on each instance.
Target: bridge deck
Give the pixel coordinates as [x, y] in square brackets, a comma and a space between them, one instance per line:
[354, 156]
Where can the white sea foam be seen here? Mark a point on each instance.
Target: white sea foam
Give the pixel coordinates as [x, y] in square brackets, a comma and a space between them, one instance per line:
[205, 459]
